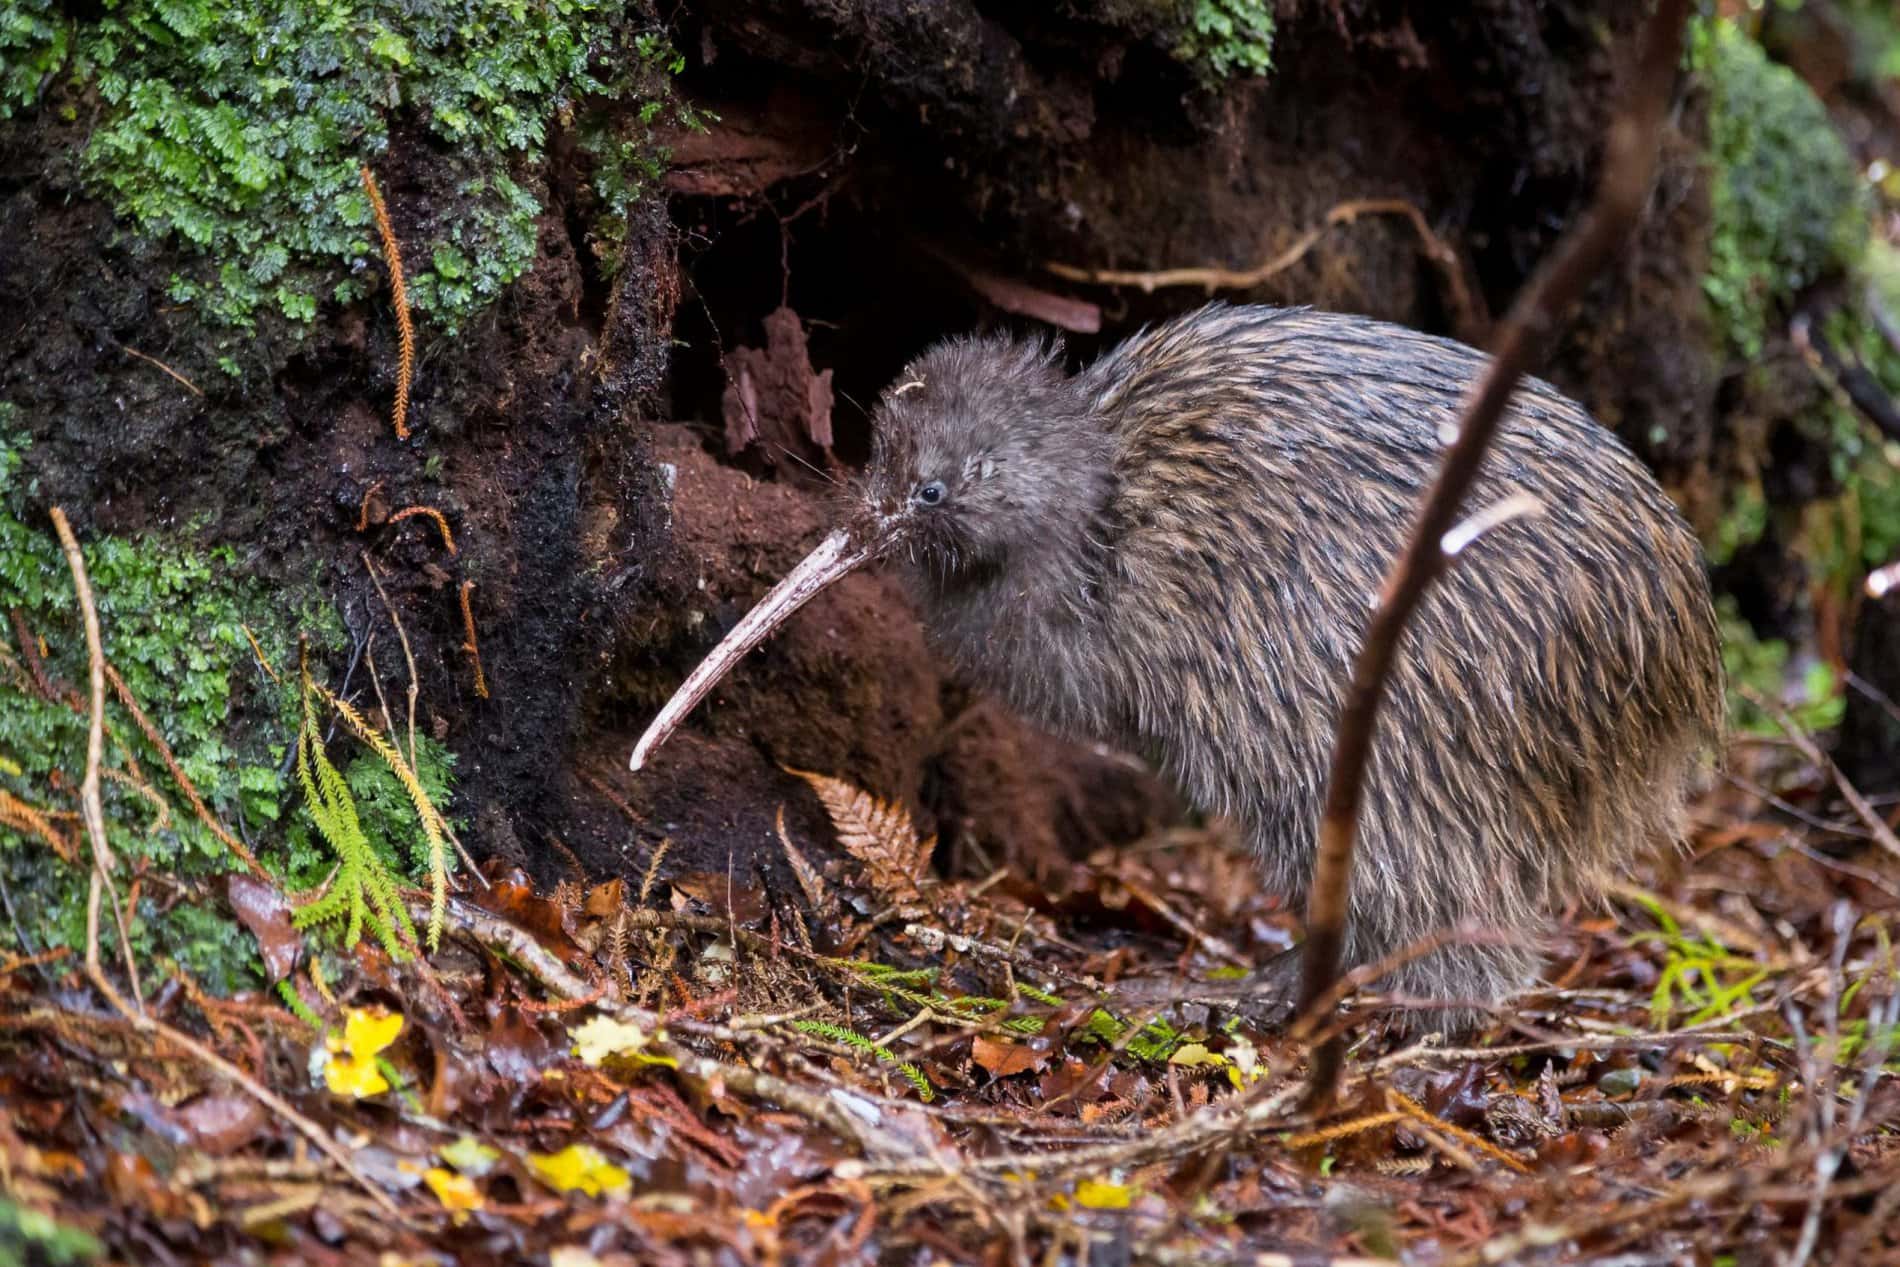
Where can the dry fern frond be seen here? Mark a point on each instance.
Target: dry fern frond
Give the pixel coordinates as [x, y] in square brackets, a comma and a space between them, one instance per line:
[877, 833]
[810, 882]
[399, 298]
[27, 820]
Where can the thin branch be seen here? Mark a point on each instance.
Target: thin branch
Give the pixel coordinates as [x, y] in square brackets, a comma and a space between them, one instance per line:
[1876, 825]
[1212, 278]
[184, 782]
[403, 638]
[1629, 166]
[95, 820]
[92, 808]
[154, 361]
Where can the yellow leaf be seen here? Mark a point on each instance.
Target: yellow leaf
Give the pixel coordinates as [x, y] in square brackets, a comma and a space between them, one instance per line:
[580, 1168]
[352, 1068]
[602, 1036]
[470, 1156]
[457, 1193]
[357, 1079]
[367, 1032]
[1190, 1055]
[1099, 1194]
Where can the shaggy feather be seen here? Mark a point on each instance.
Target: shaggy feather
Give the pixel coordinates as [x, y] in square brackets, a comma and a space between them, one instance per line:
[1177, 550]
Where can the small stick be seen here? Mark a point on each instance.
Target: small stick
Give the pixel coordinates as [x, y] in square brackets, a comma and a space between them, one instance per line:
[184, 782]
[263, 661]
[152, 360]
[1211, 279]
[92, 808]
[519, 946]
[216, 1063]
[471, 646]
[402, 638]
[1876, 825]
[1629, 166]
[399, 297]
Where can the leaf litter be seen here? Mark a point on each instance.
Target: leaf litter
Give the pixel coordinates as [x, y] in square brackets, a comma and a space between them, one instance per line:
[888, 1065]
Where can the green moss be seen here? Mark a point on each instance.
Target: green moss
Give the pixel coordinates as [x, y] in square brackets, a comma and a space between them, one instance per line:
[1742, 524]
[172, 619]
[1787, 200]
[1766, 666]
[236, 128]
[29, 1238]
[1223, 38]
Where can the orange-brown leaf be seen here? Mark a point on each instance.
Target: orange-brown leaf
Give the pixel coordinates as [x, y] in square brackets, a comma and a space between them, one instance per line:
[877, 833]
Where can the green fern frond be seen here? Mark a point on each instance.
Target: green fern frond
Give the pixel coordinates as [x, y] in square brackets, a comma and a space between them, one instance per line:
[858, 1042]
[363, 892]
[287, 991]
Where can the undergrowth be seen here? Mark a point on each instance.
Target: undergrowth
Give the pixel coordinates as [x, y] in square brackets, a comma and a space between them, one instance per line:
[174, 622]
[235, 129]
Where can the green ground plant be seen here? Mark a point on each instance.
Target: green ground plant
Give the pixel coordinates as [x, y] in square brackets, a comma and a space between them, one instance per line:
[174, 622]
[235, 129]
[1223, 38]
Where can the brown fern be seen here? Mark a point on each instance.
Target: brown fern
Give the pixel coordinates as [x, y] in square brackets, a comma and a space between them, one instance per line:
[441, 522]
[23, 818]
[877, 833]
[399, 295]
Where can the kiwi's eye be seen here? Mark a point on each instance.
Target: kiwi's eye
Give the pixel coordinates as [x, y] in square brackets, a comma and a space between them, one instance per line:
[933, 493]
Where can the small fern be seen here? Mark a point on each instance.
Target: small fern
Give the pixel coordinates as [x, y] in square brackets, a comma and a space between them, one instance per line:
[363, 893]
[287, 991]
[435, 828]
[858, 1042]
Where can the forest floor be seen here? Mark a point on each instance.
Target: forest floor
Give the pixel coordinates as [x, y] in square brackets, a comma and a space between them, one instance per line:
[894, 1067]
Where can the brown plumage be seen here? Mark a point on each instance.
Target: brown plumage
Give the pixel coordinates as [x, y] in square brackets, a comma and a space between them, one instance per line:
[1176, 551]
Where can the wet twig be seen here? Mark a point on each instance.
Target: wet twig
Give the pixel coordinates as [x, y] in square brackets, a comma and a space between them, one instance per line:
[91, 806]
[1629, 166]
[1870, 817]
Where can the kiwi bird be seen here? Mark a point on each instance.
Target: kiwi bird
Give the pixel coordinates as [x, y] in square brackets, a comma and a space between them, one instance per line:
[1176, 551]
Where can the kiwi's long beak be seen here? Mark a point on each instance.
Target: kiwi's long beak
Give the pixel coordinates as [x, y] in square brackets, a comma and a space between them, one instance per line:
[836, 555]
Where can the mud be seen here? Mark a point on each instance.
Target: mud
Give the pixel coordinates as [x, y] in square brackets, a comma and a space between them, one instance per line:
[847, 688]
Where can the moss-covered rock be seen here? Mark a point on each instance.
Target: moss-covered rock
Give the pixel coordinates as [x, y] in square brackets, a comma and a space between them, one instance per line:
[238, 128]
[1788, 203]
